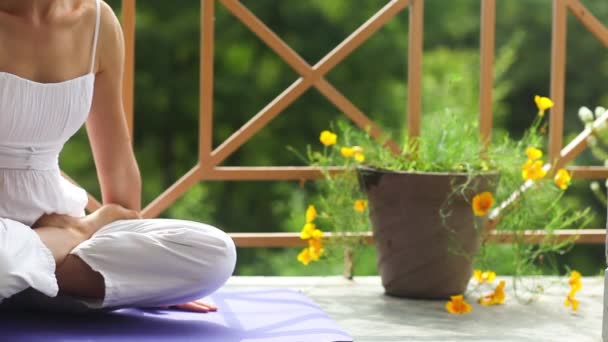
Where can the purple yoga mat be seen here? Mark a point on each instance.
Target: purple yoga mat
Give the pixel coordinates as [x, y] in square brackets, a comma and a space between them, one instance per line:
[269, 315]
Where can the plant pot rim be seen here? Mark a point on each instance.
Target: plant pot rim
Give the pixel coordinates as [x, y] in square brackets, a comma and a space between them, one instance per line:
[427, 173]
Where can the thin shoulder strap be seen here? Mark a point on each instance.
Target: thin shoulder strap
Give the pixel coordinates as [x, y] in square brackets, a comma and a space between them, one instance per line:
[96, 36]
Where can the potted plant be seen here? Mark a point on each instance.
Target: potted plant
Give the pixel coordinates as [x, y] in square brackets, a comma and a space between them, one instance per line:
[430, 204]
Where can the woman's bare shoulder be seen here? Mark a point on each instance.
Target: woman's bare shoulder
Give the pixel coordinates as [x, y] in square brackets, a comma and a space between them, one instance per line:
[108, 17]
[111, 44]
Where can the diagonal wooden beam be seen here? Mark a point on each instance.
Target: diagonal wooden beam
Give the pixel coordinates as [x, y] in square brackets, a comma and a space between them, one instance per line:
[260, 120]
[359, 36]
[170, 195]
[273, 109]
[586, 18]
[574, 148]
[356, 115]
[292, 58]
[579, 143]
[566, 155]
[303, 68]
[282, 101]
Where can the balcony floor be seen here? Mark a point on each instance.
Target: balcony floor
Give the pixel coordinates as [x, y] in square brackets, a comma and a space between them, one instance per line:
[360, 307]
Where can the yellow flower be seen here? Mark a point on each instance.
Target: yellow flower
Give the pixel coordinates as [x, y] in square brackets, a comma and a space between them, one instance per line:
[328, 138]
[347, 152]
[484, 165]
[315, 249]
[360, 157]
[499, 293]
[360, 205]
[311, 253]
[496, 297]
[575, 275]
[562, 179]
[311, 213]
[457, 305]
[355, 151]
[304, 256]
[485, 276]
[534, 153]
[575, 282]
[482, 203]
[317, 234]
[543, 103]
[571, 302]
[307, 231]
[533, 170]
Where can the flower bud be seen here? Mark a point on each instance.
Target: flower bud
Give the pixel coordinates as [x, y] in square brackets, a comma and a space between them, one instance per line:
[585, 114]
[595, 186]
[600, 125]
[599, 110]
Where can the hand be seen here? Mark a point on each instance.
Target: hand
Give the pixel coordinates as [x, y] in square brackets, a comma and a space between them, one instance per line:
[195, 306]
[88, 225]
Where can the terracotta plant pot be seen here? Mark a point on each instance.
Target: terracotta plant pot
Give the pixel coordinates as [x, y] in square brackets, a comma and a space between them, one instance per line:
[415, 245]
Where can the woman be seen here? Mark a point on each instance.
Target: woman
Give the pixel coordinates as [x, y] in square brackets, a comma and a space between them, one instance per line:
[61, 65]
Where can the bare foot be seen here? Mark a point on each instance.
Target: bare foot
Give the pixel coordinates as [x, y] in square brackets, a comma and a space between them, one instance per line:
[89, 224]
[108, 214]
[196, 306]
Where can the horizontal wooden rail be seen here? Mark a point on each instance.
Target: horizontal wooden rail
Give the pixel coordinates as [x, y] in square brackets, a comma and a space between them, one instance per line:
[268, 173]
[589, 172]
[582, 236]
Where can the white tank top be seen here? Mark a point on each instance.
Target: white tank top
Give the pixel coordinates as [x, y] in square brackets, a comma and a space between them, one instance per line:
[36, 120]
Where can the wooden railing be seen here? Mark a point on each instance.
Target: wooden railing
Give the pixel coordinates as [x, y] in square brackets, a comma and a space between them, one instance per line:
[210, 158]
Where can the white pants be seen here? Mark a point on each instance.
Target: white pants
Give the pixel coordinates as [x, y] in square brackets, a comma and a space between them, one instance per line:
[144, 263]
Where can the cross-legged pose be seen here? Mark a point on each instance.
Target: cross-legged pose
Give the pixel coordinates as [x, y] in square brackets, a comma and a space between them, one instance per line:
[61, 65]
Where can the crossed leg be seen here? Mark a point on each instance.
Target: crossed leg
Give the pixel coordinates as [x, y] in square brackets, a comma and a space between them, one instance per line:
[62, 233]
[74, 276]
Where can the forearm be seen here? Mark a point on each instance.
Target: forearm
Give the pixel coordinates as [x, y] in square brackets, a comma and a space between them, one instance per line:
[122, 185]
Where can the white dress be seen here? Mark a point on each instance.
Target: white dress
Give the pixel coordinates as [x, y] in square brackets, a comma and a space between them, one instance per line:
[143, 262]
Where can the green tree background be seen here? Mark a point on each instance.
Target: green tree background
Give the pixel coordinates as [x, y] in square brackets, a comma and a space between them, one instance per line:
[248, 75]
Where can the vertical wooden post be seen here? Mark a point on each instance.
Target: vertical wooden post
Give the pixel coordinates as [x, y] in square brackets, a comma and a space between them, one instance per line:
[349, 265]
[206, 84]
[486, 83]
[414, 74]
[128, 27]
[558, 81]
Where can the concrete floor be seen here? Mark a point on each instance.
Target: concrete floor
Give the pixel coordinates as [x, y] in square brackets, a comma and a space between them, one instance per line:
[360, 307]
